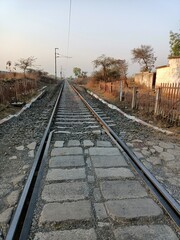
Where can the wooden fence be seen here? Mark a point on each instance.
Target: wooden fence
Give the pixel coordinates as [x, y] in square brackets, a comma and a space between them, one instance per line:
[163, 102]
[168, 102]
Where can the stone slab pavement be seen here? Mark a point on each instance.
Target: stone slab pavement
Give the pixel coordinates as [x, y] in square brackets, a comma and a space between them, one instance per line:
[90, 192]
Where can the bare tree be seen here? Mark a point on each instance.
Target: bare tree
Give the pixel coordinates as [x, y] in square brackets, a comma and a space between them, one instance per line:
[145, 57]
[25, 63]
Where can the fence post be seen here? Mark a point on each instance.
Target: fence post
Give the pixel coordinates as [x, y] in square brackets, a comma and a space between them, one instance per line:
[134, 98]
[158, 96]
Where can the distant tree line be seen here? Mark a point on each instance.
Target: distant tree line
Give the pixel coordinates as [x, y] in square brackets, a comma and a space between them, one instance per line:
[109, 68]
[27, 65]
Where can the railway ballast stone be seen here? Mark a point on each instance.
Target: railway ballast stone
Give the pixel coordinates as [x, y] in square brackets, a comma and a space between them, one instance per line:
[12, 198]
[31, 146]
[6, 215]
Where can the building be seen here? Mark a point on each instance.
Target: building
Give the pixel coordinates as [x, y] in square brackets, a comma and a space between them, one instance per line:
[169, 73]
[147, 79]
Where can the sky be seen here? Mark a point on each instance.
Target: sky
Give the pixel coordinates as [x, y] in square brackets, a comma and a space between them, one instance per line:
[110, 27]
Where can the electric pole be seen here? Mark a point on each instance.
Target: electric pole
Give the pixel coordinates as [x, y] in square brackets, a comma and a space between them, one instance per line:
[56, 56]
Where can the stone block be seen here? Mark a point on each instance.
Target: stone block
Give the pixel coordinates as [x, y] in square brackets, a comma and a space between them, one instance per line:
[66, 161]
[65, 191]
[109, 161]
[65, 174]
[73, 143]
[67, 211]
[58, 143]
[97, 195]
[80, 234]
[132, 208]
[103, 144]
[149, 232]
[88, 143]
[100, 211]
[102, 151]
[113, 173]
[122, 189]
[66, 151]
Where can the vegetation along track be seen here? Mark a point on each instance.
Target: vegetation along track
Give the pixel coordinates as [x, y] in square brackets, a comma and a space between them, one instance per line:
[80, 182]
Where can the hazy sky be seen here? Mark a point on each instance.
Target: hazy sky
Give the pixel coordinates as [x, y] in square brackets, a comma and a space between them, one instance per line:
[110, 27]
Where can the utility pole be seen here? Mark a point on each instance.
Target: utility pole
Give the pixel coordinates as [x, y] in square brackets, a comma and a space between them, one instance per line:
[61, 73]
[56, 56]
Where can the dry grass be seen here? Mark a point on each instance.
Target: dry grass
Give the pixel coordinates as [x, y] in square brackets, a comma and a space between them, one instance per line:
[16, 75]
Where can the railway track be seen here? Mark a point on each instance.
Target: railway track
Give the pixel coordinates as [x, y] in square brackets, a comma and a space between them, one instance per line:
[80, 182]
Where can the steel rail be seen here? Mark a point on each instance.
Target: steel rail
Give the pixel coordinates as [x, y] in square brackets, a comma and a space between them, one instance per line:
[167, 201]
[20, 214]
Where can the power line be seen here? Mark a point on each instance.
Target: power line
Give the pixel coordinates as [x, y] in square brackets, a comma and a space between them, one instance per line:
[69, 27]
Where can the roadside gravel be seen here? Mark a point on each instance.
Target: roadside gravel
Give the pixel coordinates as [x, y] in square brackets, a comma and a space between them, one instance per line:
[19, 140]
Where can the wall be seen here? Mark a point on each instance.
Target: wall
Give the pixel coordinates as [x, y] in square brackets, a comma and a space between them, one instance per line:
[170, 73]
[145, 78]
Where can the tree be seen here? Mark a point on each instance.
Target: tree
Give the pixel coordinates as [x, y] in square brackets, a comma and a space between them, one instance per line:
[105, 63]
[77, 72]
[111, 68]
[8, 65]
[174, 44]
[25, 63]
[84, 74]
[145, 57]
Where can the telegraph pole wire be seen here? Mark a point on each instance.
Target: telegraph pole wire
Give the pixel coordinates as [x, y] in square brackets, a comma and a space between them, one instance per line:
[69, 27]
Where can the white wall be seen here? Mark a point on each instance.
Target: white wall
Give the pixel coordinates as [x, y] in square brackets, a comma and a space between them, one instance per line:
[169, 74]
